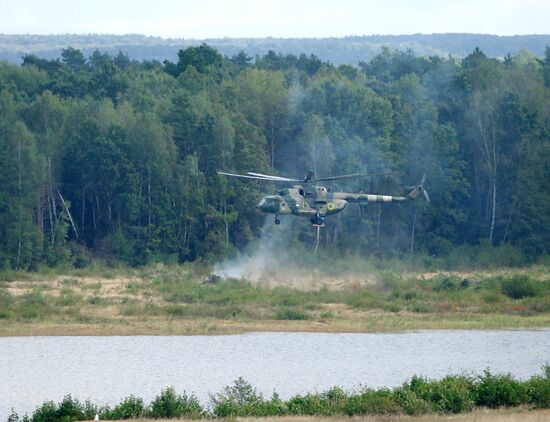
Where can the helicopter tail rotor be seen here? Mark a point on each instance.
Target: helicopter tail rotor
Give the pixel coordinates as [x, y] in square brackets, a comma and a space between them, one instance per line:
[417, 190]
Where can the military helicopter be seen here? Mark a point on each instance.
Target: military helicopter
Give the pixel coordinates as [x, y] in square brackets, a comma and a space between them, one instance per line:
[308, 199]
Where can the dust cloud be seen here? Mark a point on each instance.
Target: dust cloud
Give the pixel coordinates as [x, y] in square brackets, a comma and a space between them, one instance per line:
[263, 258]
[277, 258]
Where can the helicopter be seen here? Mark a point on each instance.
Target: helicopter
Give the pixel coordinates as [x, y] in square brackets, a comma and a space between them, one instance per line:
[306, 198]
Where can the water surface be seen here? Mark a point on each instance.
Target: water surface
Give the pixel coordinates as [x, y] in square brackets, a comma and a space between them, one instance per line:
[107, 369]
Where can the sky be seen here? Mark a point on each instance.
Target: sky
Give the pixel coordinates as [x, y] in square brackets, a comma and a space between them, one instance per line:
[276, 18]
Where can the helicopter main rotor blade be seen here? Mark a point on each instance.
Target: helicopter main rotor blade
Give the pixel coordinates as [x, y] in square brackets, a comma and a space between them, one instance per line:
[243, 176]
[278, 178]
[426, 195]
[352, 176]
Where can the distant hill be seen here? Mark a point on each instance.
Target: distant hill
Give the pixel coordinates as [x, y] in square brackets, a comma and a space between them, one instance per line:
[349, 50]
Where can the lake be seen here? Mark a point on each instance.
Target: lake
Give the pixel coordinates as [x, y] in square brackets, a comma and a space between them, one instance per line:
[107, 369]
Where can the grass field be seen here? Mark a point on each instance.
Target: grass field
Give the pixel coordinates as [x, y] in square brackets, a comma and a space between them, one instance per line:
[190, 300]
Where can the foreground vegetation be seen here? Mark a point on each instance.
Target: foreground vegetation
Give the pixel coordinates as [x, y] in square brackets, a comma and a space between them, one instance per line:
[419, 396]
[189, 300]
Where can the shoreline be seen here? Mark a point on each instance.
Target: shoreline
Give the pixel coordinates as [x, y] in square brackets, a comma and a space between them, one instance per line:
[222, 327]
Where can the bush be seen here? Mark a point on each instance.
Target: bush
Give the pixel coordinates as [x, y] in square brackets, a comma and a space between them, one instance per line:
[449, 395]
[5, 302]
[291, 314]
[392, 307]
[409, 296]
[333, 401]
[504, 255]
[538, 389]
[310, 404]
[519, 286]
[273, 407]
[239, 399]
[452, 394]
[33, 305]
[420, 308]
[448, 283]
[410, 403]
[372, 402]
[499, 390]
[130, 408]
[170, 405]
[67, 410]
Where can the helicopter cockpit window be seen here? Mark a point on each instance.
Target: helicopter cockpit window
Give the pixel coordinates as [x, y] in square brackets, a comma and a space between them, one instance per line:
[301, 192]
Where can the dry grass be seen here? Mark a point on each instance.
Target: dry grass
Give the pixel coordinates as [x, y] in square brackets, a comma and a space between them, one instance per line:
[173, 301]
[478, 415]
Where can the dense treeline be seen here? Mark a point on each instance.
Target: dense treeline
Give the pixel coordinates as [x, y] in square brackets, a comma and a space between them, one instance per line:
[119, 157]
[419, 396]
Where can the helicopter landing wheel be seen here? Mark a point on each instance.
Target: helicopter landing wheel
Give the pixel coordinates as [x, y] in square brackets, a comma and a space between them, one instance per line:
[317, 221]
[277, 221]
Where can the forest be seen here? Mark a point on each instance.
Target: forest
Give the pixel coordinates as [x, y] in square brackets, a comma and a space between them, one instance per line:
[337, 50]
[104, 157]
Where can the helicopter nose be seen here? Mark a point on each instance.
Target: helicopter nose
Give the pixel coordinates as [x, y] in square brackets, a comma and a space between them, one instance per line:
[261, 203]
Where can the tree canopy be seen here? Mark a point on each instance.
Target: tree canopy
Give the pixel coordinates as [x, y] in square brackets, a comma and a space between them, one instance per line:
[117, 158]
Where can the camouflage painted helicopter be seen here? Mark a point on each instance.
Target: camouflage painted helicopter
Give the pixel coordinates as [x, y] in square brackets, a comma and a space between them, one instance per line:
[307, 199]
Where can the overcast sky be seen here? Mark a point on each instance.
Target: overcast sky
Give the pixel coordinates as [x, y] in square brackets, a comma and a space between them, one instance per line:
[276, 18]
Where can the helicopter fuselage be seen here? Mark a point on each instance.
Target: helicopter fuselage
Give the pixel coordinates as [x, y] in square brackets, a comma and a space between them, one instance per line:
[315, 200]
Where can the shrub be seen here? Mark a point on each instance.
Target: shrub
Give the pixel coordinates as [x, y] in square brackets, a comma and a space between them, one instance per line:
[291, 314]
[273, 407]
[45, 413]
[324, 315]
[170, 405]
[372, 402]
[13, 416]
[420, 308]
[67, 410]
[538, 389]
[239, 399]
[333, 401]
[33, 305]
[409, 401]
[409, 296]
[519, 286]
[448, 283]
[285, 297]
[392, 307]
[499, 390]
[130, 408]
[310, 404]
[5, 303]
[492, 296]
[449, 395]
